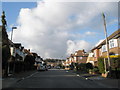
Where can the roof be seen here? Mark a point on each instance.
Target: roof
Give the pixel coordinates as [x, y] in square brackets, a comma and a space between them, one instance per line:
[79, 52]
[35, 54]
[11, 43]
[17, 45]
[114, 35]
[27, 51]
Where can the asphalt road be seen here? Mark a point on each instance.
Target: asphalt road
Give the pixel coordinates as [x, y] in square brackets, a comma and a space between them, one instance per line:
[55, 79]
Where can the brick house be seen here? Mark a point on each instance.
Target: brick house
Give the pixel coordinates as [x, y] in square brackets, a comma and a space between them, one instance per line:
[80, 56]
[114, 45]
[92, 59]
[101, 49]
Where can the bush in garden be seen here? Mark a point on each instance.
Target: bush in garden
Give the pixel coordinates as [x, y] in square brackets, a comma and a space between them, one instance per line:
[63, 67]
[89, 66]
[82, 66]
[119, 61]
[101, 65]
[95, 69]
[72, 66]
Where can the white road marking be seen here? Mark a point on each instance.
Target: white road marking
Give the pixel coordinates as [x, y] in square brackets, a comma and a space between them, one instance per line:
[29, 76]
[56, 76]
[78, 75]
[86, 78]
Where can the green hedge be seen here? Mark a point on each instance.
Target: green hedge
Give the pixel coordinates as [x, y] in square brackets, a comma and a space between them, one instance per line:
[82, 67]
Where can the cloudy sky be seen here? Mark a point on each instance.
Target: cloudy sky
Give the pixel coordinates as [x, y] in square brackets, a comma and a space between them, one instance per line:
[57, 29]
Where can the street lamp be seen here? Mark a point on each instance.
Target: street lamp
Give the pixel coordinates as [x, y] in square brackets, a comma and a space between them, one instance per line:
[11, 41]
[12, 32]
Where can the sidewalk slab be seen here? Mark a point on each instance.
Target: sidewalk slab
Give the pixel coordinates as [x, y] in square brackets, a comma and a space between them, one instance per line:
[108, 82]
[7, 82]
[111, 83]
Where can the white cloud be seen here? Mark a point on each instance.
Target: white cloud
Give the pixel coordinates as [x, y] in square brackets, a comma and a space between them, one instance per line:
[48, 29]
[77, 45]
[90, 33]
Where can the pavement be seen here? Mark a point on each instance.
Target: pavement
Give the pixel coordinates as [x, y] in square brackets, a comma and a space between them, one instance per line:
[12, 79]
[111, 83]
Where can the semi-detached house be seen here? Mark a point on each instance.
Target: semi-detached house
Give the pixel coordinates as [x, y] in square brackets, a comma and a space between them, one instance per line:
[101, 49]
[78, 57]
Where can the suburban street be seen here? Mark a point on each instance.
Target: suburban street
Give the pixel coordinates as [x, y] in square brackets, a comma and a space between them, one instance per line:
[54, 78]
[62, 44]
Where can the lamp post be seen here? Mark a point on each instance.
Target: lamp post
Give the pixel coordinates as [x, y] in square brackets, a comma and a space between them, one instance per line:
[12, 32]
[107, 44]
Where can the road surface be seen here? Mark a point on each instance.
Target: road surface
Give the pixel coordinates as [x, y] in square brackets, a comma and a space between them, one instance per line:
[55, 79]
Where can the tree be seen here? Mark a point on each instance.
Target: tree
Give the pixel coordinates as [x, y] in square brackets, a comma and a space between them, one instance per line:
[5, 45]
[4, 33]
[60, 65]
[29, 62]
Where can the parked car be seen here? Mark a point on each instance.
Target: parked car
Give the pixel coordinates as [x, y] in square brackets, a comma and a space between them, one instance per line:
[41, 66]
[57, 67]
[49, 67]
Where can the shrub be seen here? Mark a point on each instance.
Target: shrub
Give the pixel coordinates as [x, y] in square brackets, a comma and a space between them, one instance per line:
[95, 69]
[101, 65]
[89, 66]
[63, 67]
[81, 66]
[72, 66]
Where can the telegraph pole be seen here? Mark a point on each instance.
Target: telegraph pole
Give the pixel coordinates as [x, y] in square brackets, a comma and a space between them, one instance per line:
[107, 44]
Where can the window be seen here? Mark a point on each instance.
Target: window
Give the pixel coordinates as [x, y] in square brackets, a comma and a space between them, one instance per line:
[104, 48]
[113, 43]
[94, 53]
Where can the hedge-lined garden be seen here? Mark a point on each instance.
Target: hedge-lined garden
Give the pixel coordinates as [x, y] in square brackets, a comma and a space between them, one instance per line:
[100, 69]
